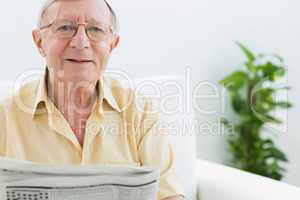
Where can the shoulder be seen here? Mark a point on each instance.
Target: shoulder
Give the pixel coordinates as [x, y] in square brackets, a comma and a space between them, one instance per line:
[20, 99]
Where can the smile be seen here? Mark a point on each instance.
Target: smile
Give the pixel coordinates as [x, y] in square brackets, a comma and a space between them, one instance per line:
[79, 60]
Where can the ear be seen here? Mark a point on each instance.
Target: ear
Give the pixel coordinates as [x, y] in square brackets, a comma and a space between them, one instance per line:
[37, 38]
[114, 43]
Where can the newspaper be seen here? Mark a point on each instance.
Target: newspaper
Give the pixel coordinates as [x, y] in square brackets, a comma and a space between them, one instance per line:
[23, 180]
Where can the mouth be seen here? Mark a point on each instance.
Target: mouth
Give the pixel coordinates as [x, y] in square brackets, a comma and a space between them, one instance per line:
[79, 61]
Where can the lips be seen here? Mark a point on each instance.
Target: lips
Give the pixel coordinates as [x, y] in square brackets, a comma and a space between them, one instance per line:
[78, 60]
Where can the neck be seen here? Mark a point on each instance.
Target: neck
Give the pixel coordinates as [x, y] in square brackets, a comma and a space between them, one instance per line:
[72, 97]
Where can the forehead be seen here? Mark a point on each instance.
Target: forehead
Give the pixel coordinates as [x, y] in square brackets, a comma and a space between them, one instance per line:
[87, 10]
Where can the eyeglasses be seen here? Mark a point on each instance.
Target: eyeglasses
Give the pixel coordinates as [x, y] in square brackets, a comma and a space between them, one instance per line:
[66, 29]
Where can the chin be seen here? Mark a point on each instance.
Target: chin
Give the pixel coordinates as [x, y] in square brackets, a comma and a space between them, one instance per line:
[84, 73]
[81, 77]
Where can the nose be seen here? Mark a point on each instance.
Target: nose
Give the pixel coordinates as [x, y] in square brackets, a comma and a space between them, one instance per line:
[80, 40]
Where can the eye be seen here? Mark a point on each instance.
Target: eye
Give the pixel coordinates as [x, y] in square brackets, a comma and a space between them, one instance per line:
[96, 29]
[65, 27]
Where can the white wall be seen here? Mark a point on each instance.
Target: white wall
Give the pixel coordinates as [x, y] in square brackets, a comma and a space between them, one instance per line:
[166, 37]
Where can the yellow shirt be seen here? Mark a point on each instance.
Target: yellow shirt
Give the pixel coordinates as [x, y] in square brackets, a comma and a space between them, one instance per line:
[122, 129]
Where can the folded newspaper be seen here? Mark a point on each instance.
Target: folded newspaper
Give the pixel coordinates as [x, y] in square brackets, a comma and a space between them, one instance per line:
[23, 180]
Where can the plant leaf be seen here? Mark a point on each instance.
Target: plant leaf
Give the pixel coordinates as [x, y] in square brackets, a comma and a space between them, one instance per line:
[282, 104]
[235, 80]
[272, 119]
[250, 56]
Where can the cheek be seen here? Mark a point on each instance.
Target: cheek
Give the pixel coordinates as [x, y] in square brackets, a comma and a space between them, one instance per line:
[54, 51]
[102, 53]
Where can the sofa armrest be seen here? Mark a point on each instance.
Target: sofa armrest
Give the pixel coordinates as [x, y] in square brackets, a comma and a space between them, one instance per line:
[217, 181]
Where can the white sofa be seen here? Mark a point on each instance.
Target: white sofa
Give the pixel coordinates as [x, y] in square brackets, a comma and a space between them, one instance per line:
[202, 180]
[205, 180]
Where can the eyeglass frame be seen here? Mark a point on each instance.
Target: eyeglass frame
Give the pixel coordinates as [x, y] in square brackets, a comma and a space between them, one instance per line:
[110, 27]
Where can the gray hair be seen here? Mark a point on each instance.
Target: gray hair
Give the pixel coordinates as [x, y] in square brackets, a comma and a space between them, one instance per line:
[48, 3]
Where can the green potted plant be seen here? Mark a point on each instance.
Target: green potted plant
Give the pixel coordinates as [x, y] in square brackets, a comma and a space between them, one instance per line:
[252, 97]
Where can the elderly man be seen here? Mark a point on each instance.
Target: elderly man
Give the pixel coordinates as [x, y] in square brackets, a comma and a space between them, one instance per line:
[75, 115]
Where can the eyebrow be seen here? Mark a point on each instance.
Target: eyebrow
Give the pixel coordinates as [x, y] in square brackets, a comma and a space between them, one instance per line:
[94, 20]
[75, 18]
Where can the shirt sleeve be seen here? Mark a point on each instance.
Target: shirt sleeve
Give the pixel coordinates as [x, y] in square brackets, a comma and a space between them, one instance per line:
[154, 148]
[2, 131]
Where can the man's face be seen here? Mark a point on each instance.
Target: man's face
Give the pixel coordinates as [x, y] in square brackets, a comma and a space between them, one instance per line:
[78, 58]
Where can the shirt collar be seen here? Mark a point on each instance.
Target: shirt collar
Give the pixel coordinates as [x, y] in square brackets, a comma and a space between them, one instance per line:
[105, 91]
[42, 102]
